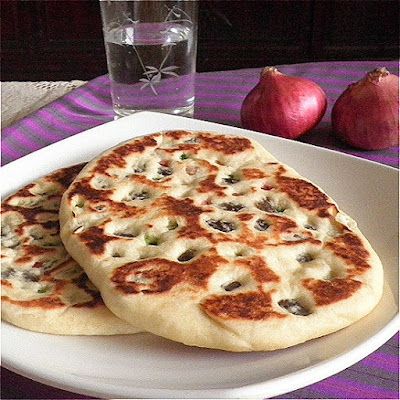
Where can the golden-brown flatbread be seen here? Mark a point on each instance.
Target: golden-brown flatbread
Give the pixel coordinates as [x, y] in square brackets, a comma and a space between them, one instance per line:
[43, 288]
[208, 240]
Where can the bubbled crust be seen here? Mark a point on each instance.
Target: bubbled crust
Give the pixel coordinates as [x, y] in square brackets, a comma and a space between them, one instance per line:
[208, 240]
[43, 288]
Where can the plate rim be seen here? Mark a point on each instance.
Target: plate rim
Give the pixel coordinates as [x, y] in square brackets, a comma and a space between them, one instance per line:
[269, 388]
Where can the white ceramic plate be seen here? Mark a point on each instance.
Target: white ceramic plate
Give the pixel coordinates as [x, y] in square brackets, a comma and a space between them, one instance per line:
[144, 365]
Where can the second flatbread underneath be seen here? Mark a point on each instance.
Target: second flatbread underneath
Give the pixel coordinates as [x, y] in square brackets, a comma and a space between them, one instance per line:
[43, 288]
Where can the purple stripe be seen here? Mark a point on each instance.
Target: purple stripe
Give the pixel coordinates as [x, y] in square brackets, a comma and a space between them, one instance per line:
[204, 95]
[216, 116]
[380, 158]
[56, 125]
[103, 91]
[80, 121]
[382, 361]
[348, 389]
[70, 112]
[23, 139]
[220, 104]
[10, 152]
[219, 88]
[230, 91]
[251, 80]
[14, 143]
[96, 95]
[89, 100]
[253, 76]
[50, 127]
[53, 121]
[36, 128]
[62, 122]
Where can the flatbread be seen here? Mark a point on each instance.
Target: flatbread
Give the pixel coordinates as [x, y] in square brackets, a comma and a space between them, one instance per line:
[43, 288]
[208, 240]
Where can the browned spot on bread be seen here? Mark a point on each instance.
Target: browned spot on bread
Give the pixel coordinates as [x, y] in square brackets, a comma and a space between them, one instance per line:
[125, 211]
[180, 207]
[206, 166]
[51, 225]
[84, 188]
[141, 179]
[31, 251]
[185, 208]
[194, 231]
[30, 214]
[177, 135]
[208, 185]
[254, 306]
[253, 173]
[281, 224]
[117, 157]
[350, 248]
[259, 269]
[294, 243]
[305, 194]
[6, 283]
[328, 292]
[25, 192]
[245, 217]
[267, 186]
[95, 239]
[65, 176]
[46, 303]
[225, 144]
[156, 275]
[183, 147]
[249, 239]
[161, 275]
[83, 283]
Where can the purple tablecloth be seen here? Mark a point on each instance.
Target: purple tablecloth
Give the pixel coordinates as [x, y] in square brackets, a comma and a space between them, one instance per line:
[218, 98]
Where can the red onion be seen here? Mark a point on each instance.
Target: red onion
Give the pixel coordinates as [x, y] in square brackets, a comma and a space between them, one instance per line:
[366, 115]
[283, 105]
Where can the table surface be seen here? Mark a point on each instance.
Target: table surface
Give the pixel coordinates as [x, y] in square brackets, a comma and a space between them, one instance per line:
[219, 96]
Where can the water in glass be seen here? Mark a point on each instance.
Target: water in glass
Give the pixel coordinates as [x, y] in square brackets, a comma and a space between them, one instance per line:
[151, 66]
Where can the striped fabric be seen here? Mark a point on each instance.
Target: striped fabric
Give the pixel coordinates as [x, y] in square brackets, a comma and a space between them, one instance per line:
[219, 96]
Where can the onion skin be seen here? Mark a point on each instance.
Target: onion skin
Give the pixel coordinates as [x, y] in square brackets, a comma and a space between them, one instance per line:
[366, 115]
[283, 105]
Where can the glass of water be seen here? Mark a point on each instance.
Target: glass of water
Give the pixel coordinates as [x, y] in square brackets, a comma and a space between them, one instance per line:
[151, 54]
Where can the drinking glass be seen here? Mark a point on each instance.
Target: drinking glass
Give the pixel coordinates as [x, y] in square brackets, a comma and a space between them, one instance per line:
[151, 54]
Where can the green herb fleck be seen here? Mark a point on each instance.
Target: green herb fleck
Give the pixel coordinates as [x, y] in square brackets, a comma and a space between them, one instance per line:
[172, 225]
[151, 240]
[79, 204]
[232, 179]
[184, 156]
[43, 289]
